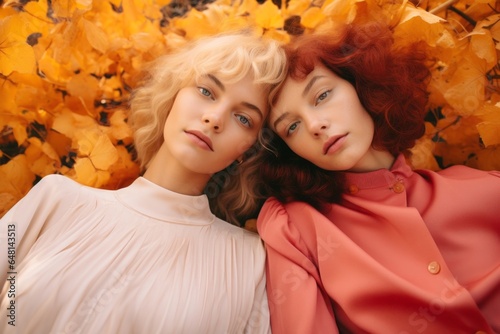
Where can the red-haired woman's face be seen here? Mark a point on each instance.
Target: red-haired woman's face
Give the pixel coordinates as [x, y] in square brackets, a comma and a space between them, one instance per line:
[322, 120]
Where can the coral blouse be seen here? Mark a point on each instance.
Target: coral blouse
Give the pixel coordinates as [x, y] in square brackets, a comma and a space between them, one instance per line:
[405, 252]
[142, 259]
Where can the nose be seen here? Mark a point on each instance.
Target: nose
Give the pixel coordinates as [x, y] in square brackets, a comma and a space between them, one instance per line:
[214, 119]
[317, 126]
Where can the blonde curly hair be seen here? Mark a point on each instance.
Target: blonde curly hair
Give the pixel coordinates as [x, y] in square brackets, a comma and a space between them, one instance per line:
[232, 192]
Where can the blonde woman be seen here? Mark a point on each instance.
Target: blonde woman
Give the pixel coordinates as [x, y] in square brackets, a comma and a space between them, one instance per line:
[152, 257]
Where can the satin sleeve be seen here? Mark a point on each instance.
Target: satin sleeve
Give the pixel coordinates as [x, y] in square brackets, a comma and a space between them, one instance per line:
[49, 200]
[297, 302]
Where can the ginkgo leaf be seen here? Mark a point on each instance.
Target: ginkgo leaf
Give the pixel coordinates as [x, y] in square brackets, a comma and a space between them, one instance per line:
[67, 122]
[103, 153]
[41, 163]
[483, 46]
[87, 174]
[119, 129]
[16, 180]
[95, 35]
[268, 16]
[15, 53]
[489, 127]
[344, 10]
[84, 87]
[124, 171]
[312, 17]
[297, 7]
[97, 146]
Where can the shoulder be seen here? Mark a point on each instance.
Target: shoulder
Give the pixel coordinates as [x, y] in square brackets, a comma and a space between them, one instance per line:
[274, 212]
[463, 173]
[54, 186]
[280, 224]
[243, 237]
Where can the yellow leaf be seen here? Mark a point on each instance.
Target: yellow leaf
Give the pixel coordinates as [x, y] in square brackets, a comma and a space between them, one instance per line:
[124, 171]
[19, 131]
[422, 155]
[16, 180]
[67, 123]
[119, 129]
[195, 24]
[84, 87]
[466, 88]
[489, 158]
[95, 36]
[15, 53]
[97, 146]
[342, 10]
[53, 70]
[268, 16]
[104, 153]
[483, 46]
[312, 17]
[489, 128]
[86, 174]
[412, 12]
[297, 7]
[39, 162]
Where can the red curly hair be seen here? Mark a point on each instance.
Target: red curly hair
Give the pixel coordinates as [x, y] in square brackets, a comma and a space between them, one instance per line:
[391, 84]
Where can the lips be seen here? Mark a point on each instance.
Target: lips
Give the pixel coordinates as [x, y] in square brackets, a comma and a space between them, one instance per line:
[201, 138]
[333, 143]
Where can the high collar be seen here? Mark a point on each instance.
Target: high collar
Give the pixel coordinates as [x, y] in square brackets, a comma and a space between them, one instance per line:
[381, 177]
[159, 203]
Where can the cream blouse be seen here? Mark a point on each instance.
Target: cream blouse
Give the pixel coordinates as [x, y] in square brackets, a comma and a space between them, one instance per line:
[141, 259]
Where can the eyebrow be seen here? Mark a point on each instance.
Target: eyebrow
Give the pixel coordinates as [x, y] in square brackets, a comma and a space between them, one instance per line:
[253, 107]
[279, 119]
[223, 88]
[310, 84]
[304, 93]
[216, 81]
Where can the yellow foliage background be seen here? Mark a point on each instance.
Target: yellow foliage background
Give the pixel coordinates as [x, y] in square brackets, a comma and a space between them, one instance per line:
[67, 69]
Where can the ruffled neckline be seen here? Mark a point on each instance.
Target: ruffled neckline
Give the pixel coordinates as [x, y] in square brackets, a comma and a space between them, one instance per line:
[156, 202]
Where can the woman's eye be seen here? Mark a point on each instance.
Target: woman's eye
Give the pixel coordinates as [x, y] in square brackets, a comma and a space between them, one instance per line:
[291, 128]
[205, 92]
[323, 96]
[244, 120]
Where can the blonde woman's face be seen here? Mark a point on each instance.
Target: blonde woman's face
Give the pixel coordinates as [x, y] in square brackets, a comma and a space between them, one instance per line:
[213, 122]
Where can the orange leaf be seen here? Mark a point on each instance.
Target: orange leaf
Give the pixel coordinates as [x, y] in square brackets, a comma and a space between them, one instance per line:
[96, 36]
[16, 180]
[489, 128]
[268, 16]
[85, 173]
[15, 53]
[97, 147]
[312, 17]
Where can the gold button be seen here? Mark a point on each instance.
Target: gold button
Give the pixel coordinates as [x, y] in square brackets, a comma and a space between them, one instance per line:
[398, 187]
[353, 189]
[434, 267]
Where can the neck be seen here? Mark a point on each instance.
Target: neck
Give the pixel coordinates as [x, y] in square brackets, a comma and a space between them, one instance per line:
[173, 176]
[375, 160]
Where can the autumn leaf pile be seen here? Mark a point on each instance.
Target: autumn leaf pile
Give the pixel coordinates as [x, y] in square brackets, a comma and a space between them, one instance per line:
[67, 68]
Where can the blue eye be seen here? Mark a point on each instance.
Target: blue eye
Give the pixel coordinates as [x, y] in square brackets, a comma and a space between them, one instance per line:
[244, 120]
[205, 92]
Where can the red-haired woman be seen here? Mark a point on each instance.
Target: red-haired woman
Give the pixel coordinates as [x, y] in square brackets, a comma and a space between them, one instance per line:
[356, 240]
